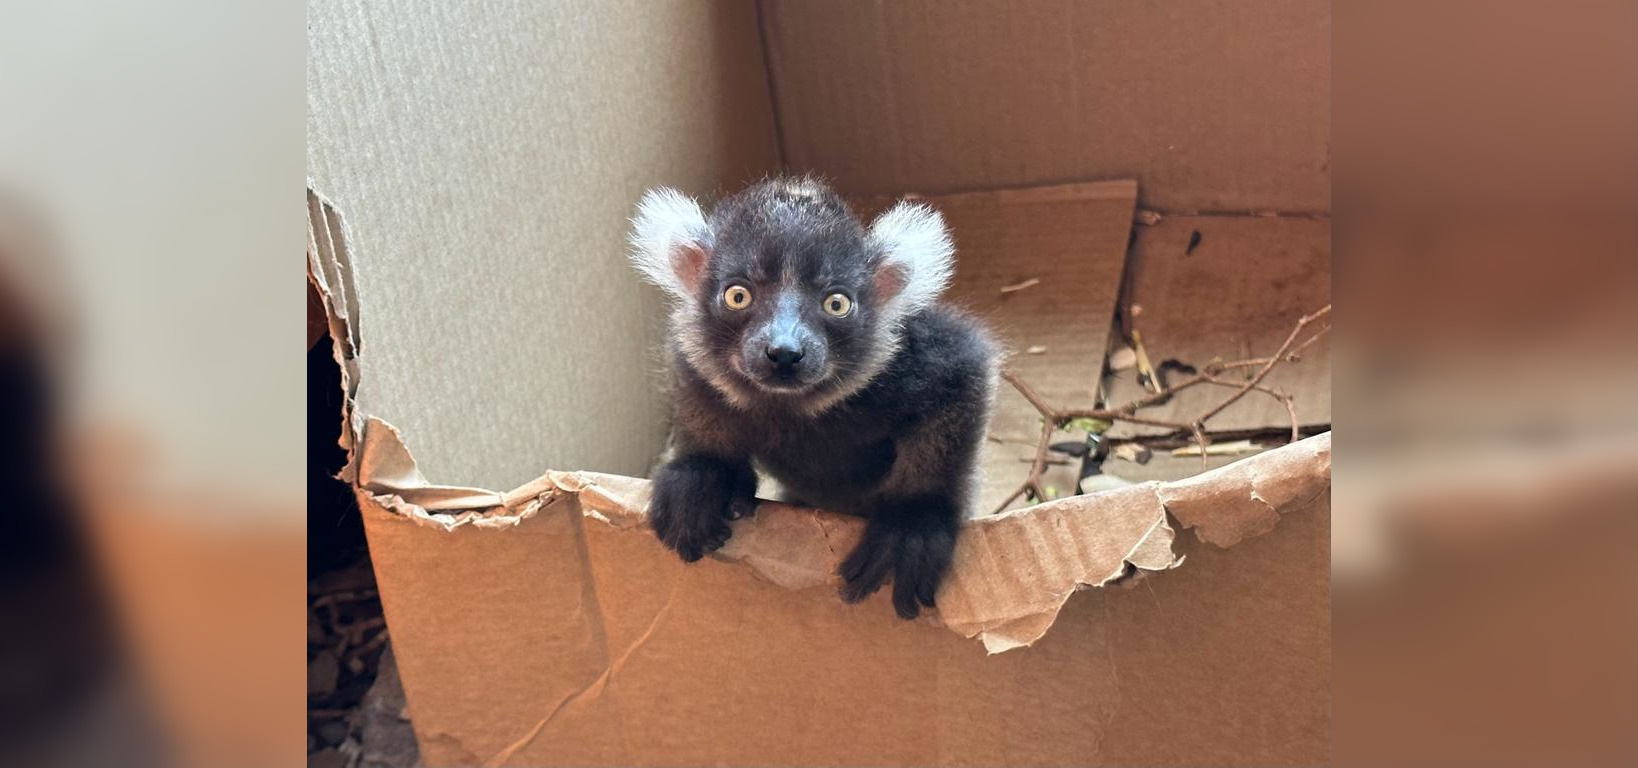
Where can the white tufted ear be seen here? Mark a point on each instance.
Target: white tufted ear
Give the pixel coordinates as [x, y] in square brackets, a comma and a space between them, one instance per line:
[669, 241]
[918, 255]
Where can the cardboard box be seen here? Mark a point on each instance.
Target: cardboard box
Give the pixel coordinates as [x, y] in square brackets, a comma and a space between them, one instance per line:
[486, 165]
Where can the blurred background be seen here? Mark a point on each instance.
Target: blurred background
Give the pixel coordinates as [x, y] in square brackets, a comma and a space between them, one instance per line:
[150, 162]
[1482, 187]
[1483, 593]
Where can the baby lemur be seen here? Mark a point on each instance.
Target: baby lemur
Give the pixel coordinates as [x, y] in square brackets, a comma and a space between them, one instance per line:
[813, 346]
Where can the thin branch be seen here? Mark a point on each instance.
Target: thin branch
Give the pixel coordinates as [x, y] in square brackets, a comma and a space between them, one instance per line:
[1037, 466]
[1052, 418]
[337, 598]
[1027, 391]
[1293, 356]
[1199, 431]
[1099, 413]
[1273, 361]
[1156, 397]
[1285, 399]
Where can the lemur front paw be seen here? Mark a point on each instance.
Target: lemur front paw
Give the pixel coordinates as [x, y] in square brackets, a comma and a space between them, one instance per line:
[693, 499]
[914, 542]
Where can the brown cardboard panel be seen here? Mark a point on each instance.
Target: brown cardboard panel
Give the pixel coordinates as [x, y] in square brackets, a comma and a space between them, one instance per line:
[566, 640]
[1236, 295]
[1012, 574]
[1226, 660]
[1211, 106]
[1068, 245]
[488, 627]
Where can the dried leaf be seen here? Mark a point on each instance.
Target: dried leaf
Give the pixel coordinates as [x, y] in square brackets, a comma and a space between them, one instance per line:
[1075, 448]
[1137, 453]
[1146, 371]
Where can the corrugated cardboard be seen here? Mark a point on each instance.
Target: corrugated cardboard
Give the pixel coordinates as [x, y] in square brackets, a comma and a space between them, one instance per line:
[565, 639]
[1236, 294]
[500, 147]
[1211, 106]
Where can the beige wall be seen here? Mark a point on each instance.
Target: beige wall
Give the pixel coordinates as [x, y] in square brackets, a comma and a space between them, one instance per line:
[486, 158]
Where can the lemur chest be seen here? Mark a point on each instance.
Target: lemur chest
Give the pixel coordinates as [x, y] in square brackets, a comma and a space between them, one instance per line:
[829, 465]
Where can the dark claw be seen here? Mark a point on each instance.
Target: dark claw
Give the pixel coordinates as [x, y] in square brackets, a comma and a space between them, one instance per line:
[866, 568]
[741, 507]
[906, 581]
[926, 592]
[904, 599]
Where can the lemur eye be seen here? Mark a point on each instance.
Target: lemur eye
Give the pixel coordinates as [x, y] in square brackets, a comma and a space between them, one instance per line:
[838, 305]
[737, 297]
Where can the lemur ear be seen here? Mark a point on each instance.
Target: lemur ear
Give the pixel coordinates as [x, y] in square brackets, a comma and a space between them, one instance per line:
[918, 256]
[670, 241]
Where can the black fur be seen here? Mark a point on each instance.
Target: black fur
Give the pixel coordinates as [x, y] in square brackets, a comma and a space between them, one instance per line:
[882, 417]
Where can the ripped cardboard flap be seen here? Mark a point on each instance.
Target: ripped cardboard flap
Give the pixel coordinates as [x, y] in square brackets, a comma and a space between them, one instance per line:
[1012, 574]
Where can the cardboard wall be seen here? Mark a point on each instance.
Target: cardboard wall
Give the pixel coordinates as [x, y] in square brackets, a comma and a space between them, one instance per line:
[486, 159]
[568, 641]
[1210, 105]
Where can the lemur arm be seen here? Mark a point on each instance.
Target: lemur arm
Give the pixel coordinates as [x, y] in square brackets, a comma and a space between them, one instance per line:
[918, 510]
[705, 482]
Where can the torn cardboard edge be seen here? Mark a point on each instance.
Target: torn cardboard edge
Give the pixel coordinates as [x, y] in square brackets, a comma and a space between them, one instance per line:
[330, 272]
[1013, 572]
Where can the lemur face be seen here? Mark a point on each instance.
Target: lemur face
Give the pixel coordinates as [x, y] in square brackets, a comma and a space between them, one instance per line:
[781, 295]
[789, 304]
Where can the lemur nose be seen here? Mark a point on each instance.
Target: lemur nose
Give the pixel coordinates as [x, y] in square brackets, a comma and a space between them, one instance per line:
[784, 354]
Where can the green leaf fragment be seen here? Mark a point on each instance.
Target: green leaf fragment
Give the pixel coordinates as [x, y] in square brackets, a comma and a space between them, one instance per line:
[1091, 426]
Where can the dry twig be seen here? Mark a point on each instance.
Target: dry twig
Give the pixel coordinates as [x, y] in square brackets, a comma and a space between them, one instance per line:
[1053, 418]
[338, 598]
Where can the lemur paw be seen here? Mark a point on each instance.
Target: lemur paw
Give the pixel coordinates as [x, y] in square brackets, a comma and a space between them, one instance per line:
[693, 500]
[914, 546]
